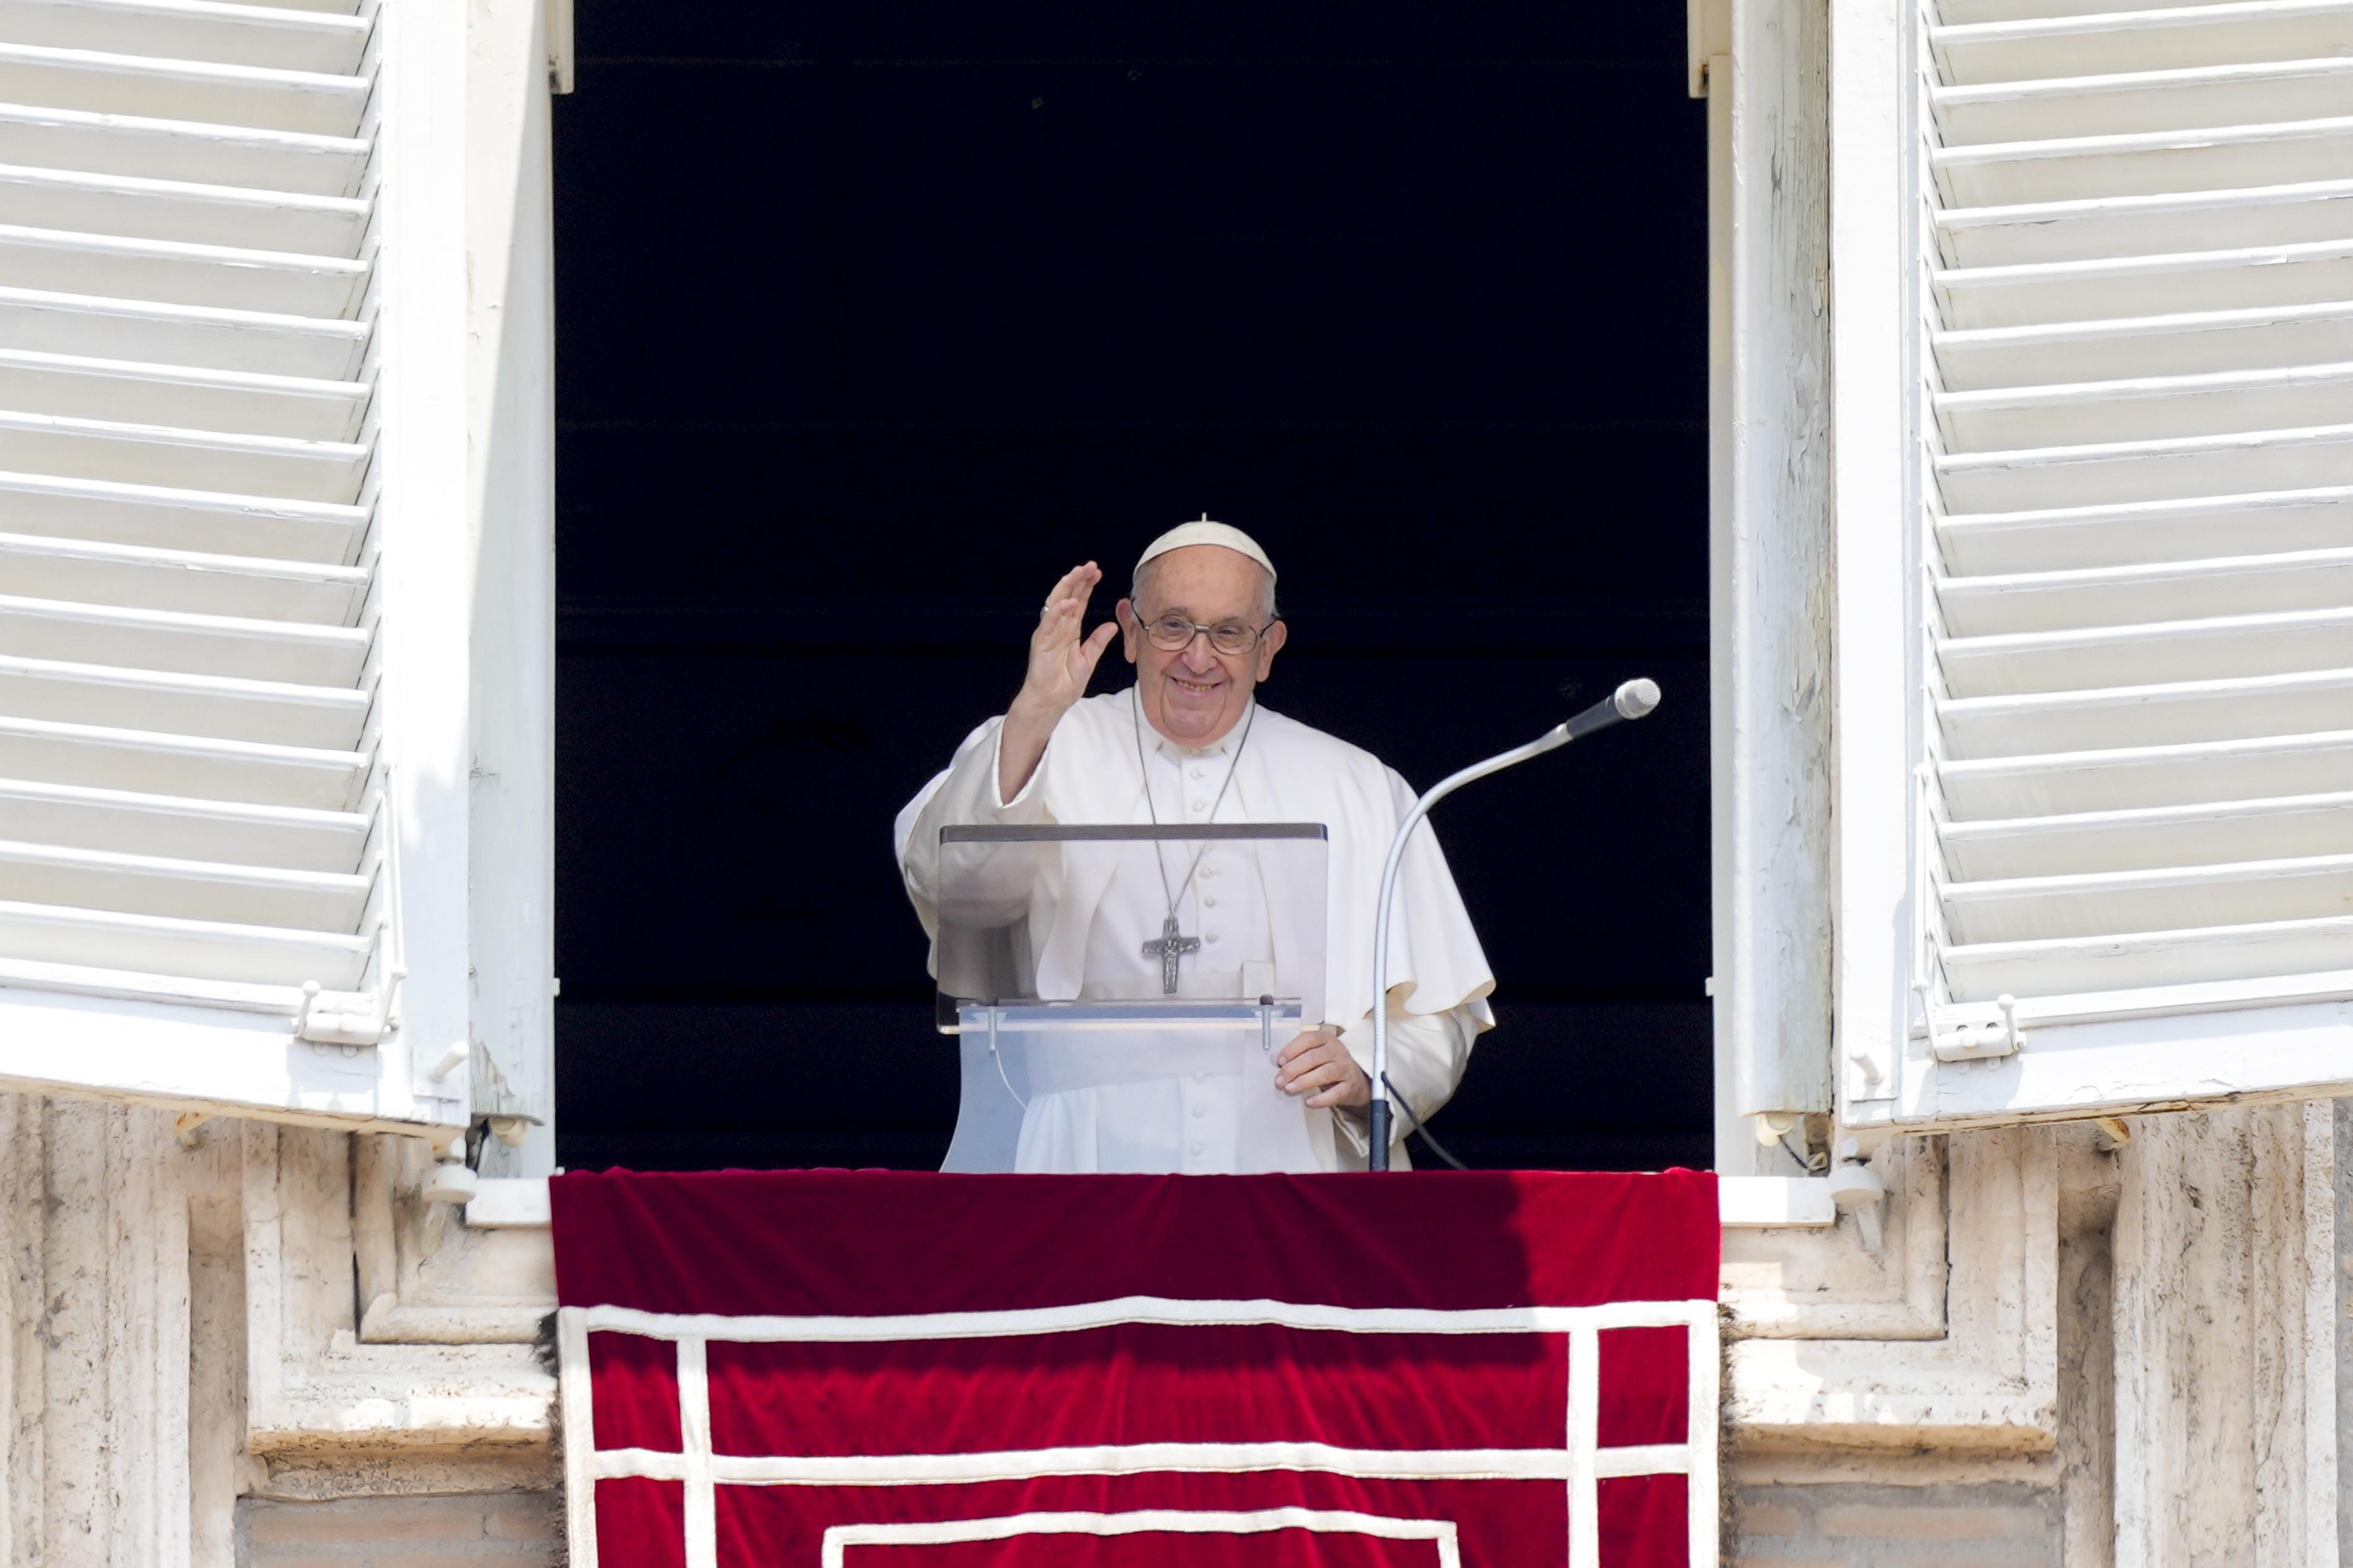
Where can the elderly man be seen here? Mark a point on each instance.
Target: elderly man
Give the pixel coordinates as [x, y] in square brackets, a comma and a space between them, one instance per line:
[1189, 743]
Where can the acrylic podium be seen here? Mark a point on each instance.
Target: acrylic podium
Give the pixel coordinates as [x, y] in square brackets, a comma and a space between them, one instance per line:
[1074, 958]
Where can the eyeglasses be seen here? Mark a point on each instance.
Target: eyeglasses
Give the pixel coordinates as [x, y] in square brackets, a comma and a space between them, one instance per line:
[1175, 633]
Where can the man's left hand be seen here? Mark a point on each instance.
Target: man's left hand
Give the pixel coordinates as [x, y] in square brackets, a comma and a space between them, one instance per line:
[1319, 1066]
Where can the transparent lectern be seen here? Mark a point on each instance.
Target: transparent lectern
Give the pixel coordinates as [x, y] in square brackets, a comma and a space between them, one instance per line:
[1091, 974]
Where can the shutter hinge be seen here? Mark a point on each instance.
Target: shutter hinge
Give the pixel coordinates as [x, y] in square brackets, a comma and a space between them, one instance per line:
[324, 1026]
[1969, 1039]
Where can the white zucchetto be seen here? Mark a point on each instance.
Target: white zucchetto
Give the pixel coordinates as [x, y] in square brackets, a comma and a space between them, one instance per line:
[1205, 531]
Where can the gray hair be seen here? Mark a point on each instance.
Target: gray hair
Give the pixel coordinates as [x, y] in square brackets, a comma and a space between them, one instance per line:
[1267, 612]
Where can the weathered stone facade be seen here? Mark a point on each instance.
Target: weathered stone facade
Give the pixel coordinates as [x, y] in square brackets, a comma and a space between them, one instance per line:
[1858, 1524]
[488, 1529]
[2095, 1345]
[242, 1343]
[188, 1340]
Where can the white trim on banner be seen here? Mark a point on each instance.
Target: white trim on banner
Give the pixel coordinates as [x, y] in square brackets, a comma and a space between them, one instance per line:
[579, 1435]
[1168, 1311]
[1121, 1459]
[694, 1439]
[1580, 1464]
[1583, 1446]
[1439, 1532]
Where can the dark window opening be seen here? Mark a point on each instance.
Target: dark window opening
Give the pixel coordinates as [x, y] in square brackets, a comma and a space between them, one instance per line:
[872, 320]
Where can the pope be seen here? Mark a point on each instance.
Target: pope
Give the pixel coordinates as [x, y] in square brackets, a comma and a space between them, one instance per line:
[1189, 742]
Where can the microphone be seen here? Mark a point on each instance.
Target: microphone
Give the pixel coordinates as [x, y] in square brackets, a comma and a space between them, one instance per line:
[1635, 699]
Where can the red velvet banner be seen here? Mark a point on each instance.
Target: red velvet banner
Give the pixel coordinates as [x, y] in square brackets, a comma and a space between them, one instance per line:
[886, 1369]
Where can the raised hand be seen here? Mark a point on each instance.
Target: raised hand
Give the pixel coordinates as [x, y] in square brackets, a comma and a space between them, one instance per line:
[1061, 662]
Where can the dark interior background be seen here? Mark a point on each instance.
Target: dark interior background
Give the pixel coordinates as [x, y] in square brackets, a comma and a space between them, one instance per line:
[873, 317]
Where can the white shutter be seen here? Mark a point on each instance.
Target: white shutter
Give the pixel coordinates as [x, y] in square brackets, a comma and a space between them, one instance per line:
[2133, 717]
[223, 809]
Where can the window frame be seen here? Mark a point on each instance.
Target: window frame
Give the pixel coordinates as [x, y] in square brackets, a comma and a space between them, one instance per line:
[463, 719]
[2212, 1044]
[1770, 570]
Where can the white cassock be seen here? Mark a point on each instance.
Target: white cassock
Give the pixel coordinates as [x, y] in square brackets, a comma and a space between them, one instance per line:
[1212, 1123]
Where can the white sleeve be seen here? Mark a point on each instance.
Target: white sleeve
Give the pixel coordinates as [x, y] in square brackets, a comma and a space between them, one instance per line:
[1428, 1053]
[962, 795]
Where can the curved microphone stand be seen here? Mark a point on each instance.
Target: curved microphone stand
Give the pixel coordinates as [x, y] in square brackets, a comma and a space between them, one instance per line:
[1634, 699]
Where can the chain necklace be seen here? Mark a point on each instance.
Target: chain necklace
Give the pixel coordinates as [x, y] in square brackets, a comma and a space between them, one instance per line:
[1171, 946]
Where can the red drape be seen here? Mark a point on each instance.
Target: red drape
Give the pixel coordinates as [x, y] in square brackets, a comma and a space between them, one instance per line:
[752, 1250]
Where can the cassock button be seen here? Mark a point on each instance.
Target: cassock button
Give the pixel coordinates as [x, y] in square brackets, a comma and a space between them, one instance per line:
[1196, 1149]
[1199, 807]
[1199, 1111]
[1211, 903]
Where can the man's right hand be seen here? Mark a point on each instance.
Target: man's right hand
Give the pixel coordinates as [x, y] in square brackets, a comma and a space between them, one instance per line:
[1061, 662]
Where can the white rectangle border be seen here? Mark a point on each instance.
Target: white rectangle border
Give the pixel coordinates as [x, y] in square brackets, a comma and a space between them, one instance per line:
[1439, 1532]
[1581, 1463]
[1171, 1311]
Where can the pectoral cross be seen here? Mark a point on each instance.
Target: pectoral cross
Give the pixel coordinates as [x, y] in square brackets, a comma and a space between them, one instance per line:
[1167, 948]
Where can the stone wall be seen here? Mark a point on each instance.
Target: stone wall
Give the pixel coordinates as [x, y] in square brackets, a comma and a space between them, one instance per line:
[225, 1345]
[1787, 1525]
[493, 1530]
[2345, 1330]
[1999, 1525]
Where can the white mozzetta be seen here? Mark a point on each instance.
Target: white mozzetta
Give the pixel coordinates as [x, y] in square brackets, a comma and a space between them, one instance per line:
[2131, 722]
[232, 751]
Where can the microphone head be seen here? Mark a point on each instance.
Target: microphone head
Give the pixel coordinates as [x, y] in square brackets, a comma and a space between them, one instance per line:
[1636, 697]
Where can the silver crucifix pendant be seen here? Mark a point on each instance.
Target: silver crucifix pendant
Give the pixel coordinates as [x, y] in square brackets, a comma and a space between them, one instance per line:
[1167, 948]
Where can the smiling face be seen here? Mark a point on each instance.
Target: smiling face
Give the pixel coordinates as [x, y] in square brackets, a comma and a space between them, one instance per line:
[1196, 695]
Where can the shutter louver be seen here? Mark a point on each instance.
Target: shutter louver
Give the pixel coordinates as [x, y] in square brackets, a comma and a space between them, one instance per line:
[2136, 286]
[192, 793]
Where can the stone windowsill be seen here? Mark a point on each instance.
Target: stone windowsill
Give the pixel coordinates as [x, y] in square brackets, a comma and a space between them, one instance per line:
[1745, 1203]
